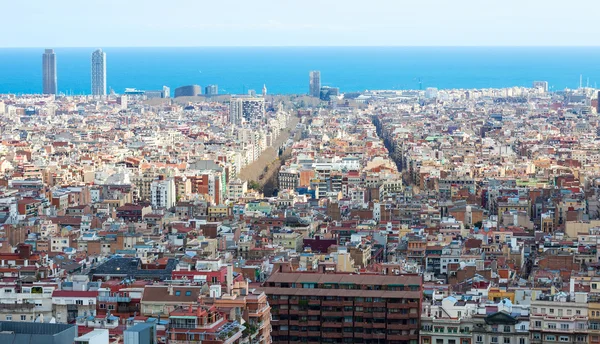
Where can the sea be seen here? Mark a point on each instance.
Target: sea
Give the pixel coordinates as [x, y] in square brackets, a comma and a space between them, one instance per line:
[284, 70]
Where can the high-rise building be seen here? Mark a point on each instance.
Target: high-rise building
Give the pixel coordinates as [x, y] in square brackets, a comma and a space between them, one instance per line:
[245, 108]
[328, 93]
[211, 90]
[543, 85]
[166, 92]
[99, 73]
[348, 308]
[314, 89]
[49, 72]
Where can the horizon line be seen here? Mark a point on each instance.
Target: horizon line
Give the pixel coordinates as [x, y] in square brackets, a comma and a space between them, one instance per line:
[304, 46]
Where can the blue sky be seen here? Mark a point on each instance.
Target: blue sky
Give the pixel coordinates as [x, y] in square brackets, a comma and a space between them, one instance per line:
[112, 23]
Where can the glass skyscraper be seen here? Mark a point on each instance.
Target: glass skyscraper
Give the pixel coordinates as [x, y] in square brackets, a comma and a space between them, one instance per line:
[49, 72]
[314, 89]
[99, 73]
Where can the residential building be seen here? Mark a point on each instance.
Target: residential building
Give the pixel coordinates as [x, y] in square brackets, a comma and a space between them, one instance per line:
[334, 308]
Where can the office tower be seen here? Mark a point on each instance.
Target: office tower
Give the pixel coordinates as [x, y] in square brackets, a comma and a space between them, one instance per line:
[431, 92]
[49, 72]
[211, 90]
[348, 308]
[543, 85]
[99, 73]
[166, 92]
[244, 108]
[327, 93]
[314, 83]
[188, 91]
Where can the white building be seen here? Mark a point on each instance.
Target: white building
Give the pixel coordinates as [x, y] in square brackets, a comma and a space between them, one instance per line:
[163, 193]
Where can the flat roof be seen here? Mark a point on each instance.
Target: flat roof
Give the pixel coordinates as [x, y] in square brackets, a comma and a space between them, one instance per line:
[342, 292]
[364, 279]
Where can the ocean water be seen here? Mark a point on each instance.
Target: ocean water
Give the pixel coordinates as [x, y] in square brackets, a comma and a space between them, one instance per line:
[284, 70]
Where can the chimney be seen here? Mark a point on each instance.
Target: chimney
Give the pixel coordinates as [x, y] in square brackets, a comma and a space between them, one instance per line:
[229, 278]
[170, 290]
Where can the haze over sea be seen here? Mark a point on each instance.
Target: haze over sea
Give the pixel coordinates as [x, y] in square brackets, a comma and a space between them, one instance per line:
[285, 69]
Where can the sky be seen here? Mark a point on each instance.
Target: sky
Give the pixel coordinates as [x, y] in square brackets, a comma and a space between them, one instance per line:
[157, 23]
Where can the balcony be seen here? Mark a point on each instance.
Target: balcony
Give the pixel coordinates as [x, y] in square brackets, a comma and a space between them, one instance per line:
[398, 316]
[331, 313]
[114, 299]
[332, 335]
[332, 324]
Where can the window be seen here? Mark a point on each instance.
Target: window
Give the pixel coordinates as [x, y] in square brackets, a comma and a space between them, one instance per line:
[506, 340]
[480, 338]
[214, 279]
[563, 338]
[494, 339]
[550, 337]
[188, 293]
[79, 302]
[23, 317]
[552, 326]
[564, 326]
[9, 318]
[551, 310]
[111, 307]
[578, 312]
[537, 324]
[102, 306]
[7, 291]
[506, 328]
[178, 293]
[521, 340]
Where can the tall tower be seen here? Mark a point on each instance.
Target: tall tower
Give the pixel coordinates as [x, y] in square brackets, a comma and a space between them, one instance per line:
[264, 90]
[49, 72]
[314, 88]
[99, 73]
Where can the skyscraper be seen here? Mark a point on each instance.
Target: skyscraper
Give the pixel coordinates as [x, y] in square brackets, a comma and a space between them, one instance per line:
[314, 83]
[211, 90]
[49, 72]
[99, 73]
[245, 108]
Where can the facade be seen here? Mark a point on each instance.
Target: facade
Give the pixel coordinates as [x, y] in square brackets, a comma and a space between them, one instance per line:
[163, 193]
[142, 333]
[246, 109]
[500, 327]
[49, 72]
[314, 88]
[211, 90]
[188, 91]
[337, 308]
[99, 73]
[559, 318]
